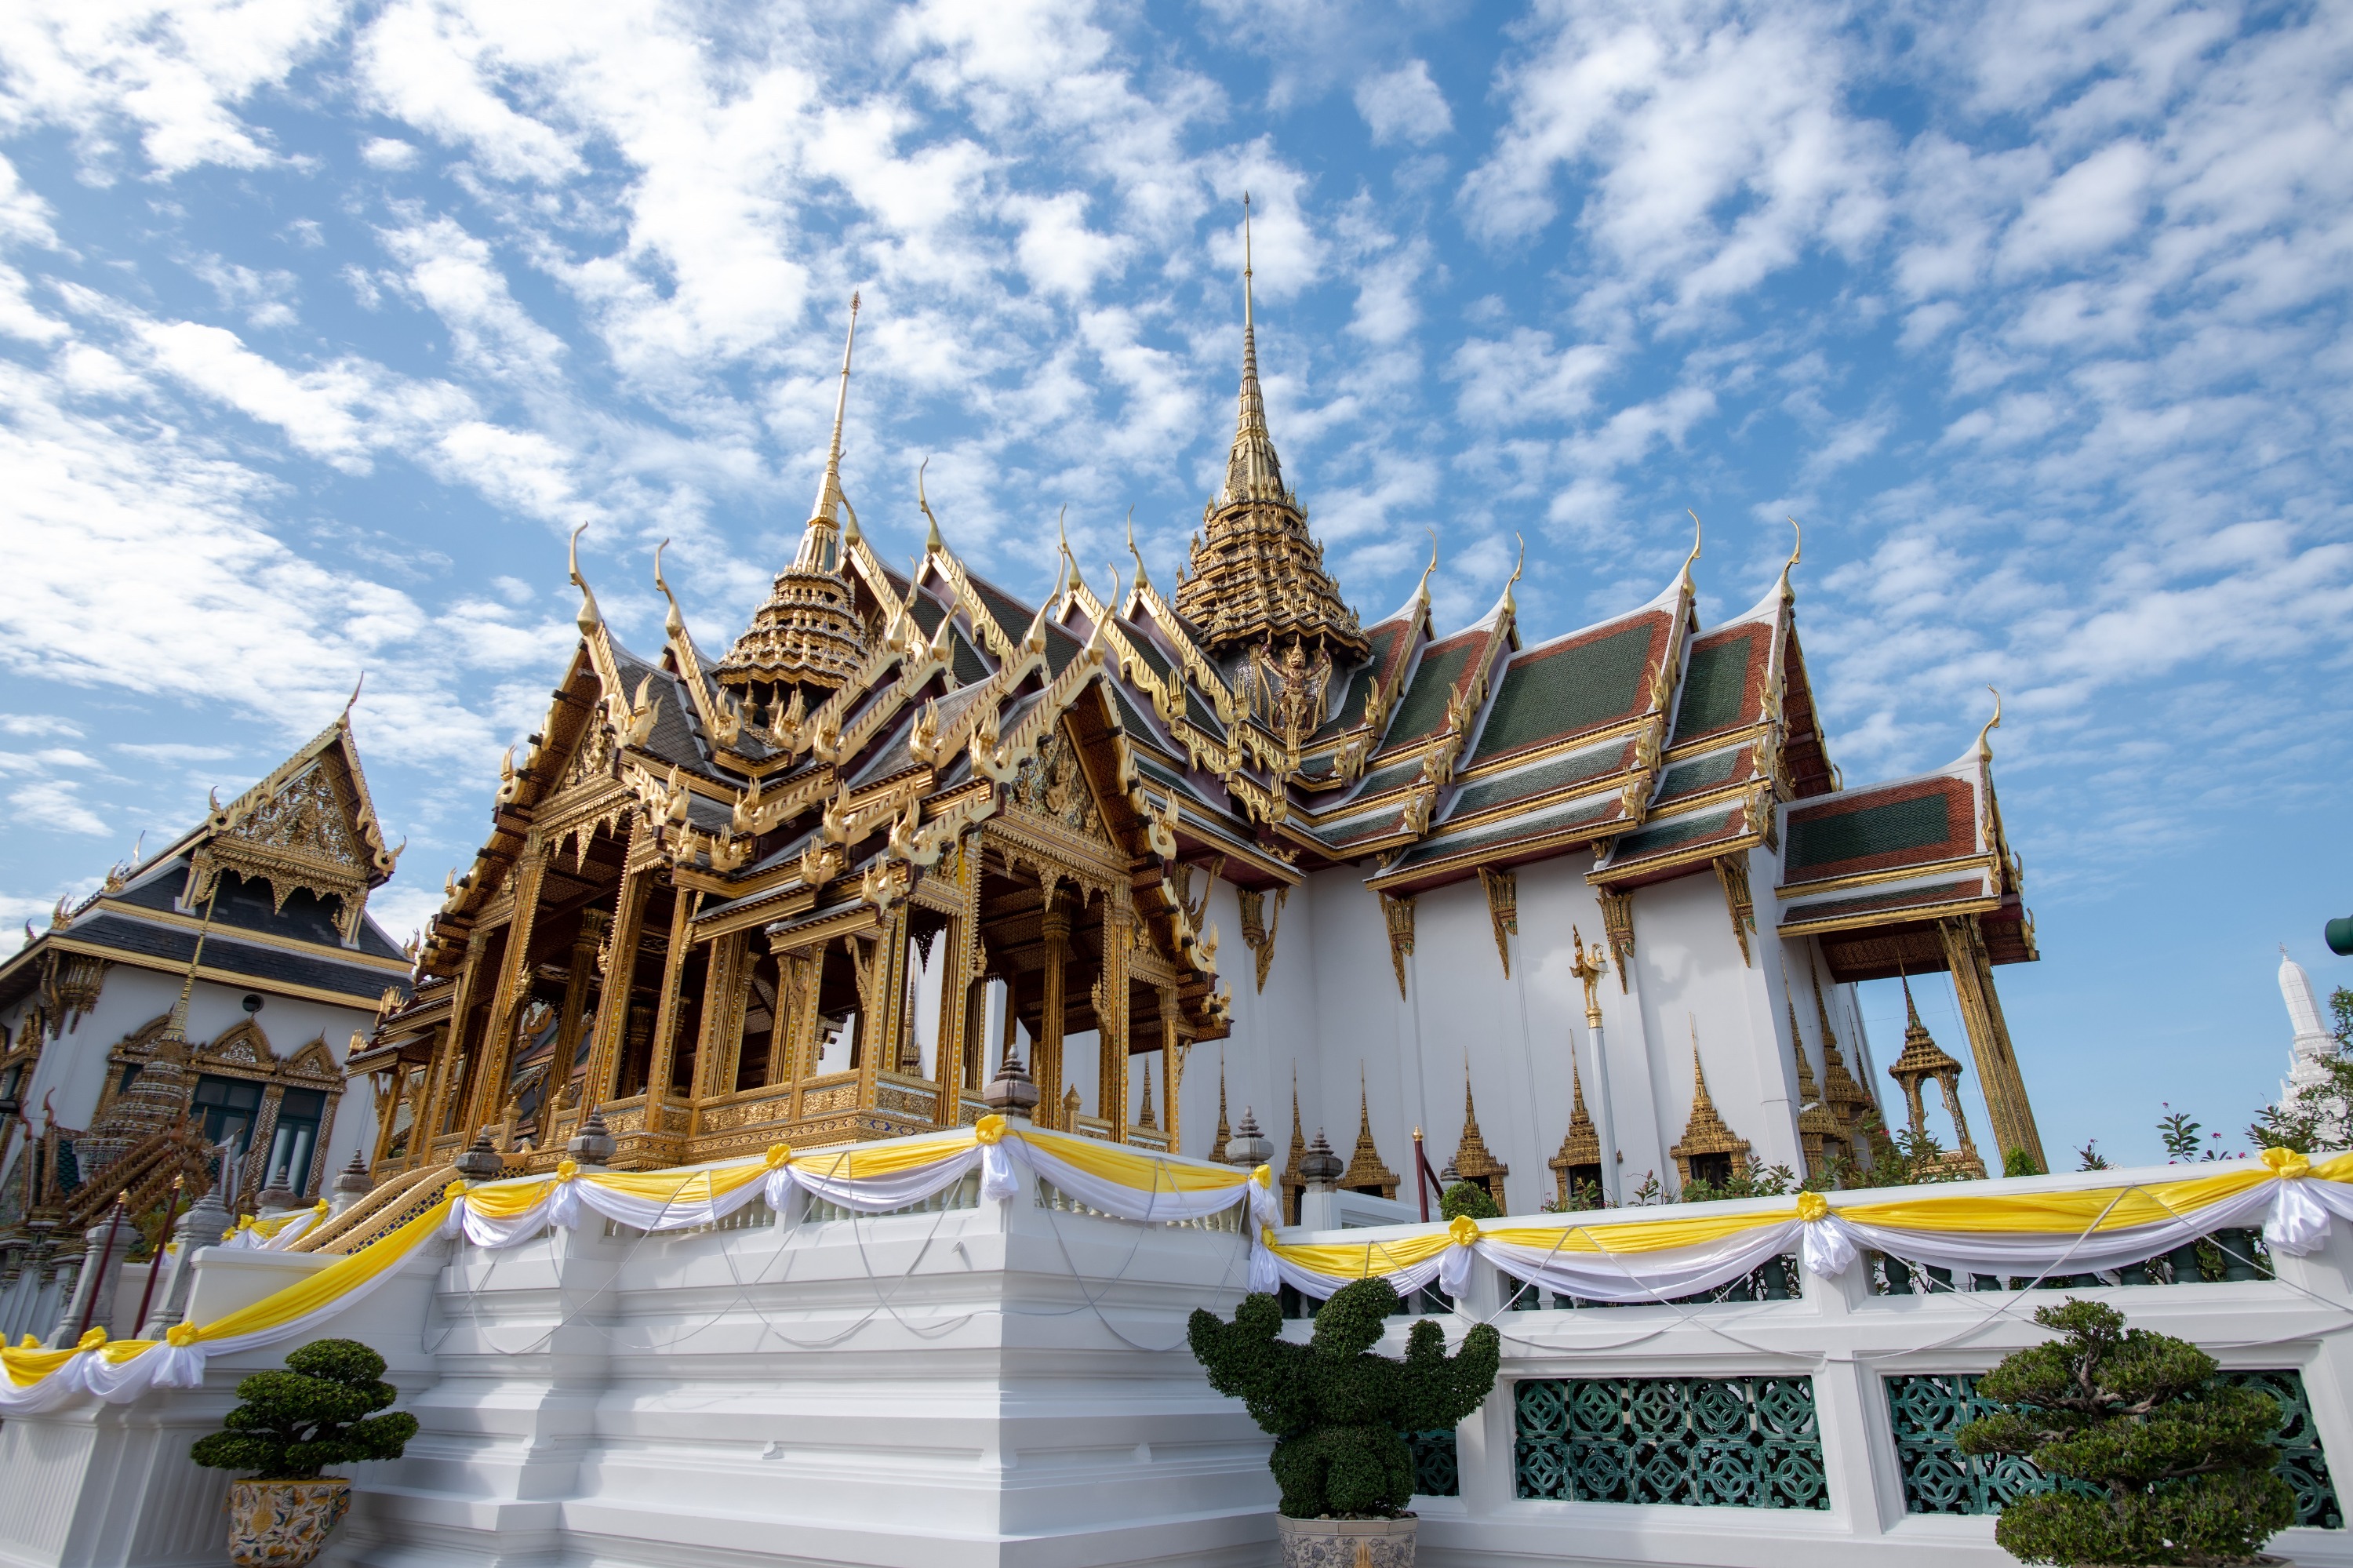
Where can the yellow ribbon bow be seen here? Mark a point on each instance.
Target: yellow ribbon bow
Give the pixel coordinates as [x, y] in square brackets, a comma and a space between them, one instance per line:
[180, 1335]
[1266, 1237]
[779, 1156]
[1264, 1176]
[989, 1128]
[2287, 1163]
[92, 1339]
[565, 1170]
[1812, 1206]
[454, 1190]
[1464, 1231]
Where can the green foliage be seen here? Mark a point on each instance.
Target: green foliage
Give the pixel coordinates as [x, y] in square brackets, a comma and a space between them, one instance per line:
[1770, 1182]
[2092, 1160]
[320, 1411]
[2182, 1466]
[2321, 1115]
[2017, 1162]
[1337, 1412]
[1467, 1198]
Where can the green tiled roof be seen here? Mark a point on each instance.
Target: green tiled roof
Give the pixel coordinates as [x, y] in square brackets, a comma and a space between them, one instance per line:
[1388, 779]
[1700, 773]
[1713, 686]
[1149, 651]
[969, 666]
[1895, 826]
[1007, 611]
[926, 611]
[1523, 828]
[1838, 908]
[1424, 707]
[1669, 835]
[1550, 694]
[1593, 762]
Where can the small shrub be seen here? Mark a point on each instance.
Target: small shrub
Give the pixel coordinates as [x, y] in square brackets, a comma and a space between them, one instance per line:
[320, 1411]
[2182, 1466]
[1467, 1198]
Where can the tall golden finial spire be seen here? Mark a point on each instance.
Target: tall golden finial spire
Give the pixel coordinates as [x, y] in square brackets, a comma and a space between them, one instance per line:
[807, 633]
[1258, 579]
[815, 547]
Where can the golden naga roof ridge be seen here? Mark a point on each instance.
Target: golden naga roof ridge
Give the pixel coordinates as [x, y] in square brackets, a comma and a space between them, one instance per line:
[1258, 575]
[807, 632]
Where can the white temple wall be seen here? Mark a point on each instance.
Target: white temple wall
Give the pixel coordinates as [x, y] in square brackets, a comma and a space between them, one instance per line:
[73, 1068]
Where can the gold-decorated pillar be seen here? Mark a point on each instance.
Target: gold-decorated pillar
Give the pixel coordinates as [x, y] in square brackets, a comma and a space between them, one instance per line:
[665, 1041]
[959, 985]
[514, 984]
[1047, 1070]
[449, 1060]
[1111, 1014]
[1172, 1065]
[619, 978]
[1998, 1076]
[887, 1021]
[594, 924]
[724, 980]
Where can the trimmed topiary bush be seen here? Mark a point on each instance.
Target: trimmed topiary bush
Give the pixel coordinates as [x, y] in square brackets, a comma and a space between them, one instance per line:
[1467, 1198]
[320, 1411]
[2179, 1468]
[1337, 1412]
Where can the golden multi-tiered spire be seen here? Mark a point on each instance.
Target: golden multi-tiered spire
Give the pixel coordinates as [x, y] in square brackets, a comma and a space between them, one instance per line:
[1473, 1160]
[1366, 1171]
[1922, 1060]
[1258, 576]
[1581, 1149]
[809, 632]
[1706, 1138]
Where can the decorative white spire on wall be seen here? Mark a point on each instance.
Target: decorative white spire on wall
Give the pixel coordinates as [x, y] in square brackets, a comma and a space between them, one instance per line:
[2314, 1044]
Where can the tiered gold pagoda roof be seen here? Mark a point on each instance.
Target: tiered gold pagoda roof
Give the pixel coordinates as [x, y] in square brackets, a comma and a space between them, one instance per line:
[1257, 577]
[807, 633]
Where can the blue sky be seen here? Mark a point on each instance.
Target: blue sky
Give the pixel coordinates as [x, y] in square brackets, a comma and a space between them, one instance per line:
[320, 326]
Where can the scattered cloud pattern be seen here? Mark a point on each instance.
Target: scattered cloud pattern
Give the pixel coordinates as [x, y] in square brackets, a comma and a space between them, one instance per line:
[320, 325]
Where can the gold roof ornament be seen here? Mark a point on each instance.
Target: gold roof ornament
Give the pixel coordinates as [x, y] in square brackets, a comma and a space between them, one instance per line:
[1922, 1060]
[1473, 1160]
[1366, 1172]
[807, 633]
[1705, 1131]
[1258, 575]
[1581, 1149]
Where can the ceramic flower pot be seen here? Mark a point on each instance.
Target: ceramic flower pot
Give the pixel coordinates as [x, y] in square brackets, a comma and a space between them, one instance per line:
[283, 1524]
[1346, 1543]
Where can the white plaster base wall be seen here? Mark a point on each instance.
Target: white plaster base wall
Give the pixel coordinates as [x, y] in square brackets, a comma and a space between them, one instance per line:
[1009, 1386]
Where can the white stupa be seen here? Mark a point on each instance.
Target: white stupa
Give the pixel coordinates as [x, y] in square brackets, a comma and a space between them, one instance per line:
[2314, 1044]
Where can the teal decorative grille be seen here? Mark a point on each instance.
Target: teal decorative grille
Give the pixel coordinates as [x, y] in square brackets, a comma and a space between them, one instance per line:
[1747, 1442]
[1940, 1478]
[1436, 1473]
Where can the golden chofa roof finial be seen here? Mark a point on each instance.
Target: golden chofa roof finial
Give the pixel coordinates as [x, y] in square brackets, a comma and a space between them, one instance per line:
[1142, 580]
[1797, 551]
[590, 617]
[1985, 740]
[932, 540]
[1689, 559]
[1421, 588]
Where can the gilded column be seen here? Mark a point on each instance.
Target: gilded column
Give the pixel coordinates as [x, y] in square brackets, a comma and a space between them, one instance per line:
[1047, 1070]
[594, 924]
[886, 1022]
[1172, 1065]
[724, 983]
[958, 983]
[514, 984]
[1111, 1014]
[657, 1059]
[797, 987]
[1998, 1076]
[449, 1058]
[619, 980]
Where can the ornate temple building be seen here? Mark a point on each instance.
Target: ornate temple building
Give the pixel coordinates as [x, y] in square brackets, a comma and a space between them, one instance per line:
[1568, 914]
[203, 999]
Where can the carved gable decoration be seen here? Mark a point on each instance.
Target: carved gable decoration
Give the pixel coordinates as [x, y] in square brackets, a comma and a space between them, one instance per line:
[1054, 784]
[308, 827]
[315, 1061]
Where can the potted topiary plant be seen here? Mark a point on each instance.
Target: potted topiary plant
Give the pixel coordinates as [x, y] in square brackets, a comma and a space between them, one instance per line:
[320, 1411]
[1339, 1415]
[2168, 1465]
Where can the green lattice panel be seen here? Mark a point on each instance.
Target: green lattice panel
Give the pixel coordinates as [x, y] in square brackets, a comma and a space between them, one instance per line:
[1436, 1471]
[1940, 1478]
[1749, 1442]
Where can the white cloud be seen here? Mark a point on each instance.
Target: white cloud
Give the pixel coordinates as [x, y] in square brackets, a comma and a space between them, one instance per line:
[388, 152]
[56, 803]
[1404, 105]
